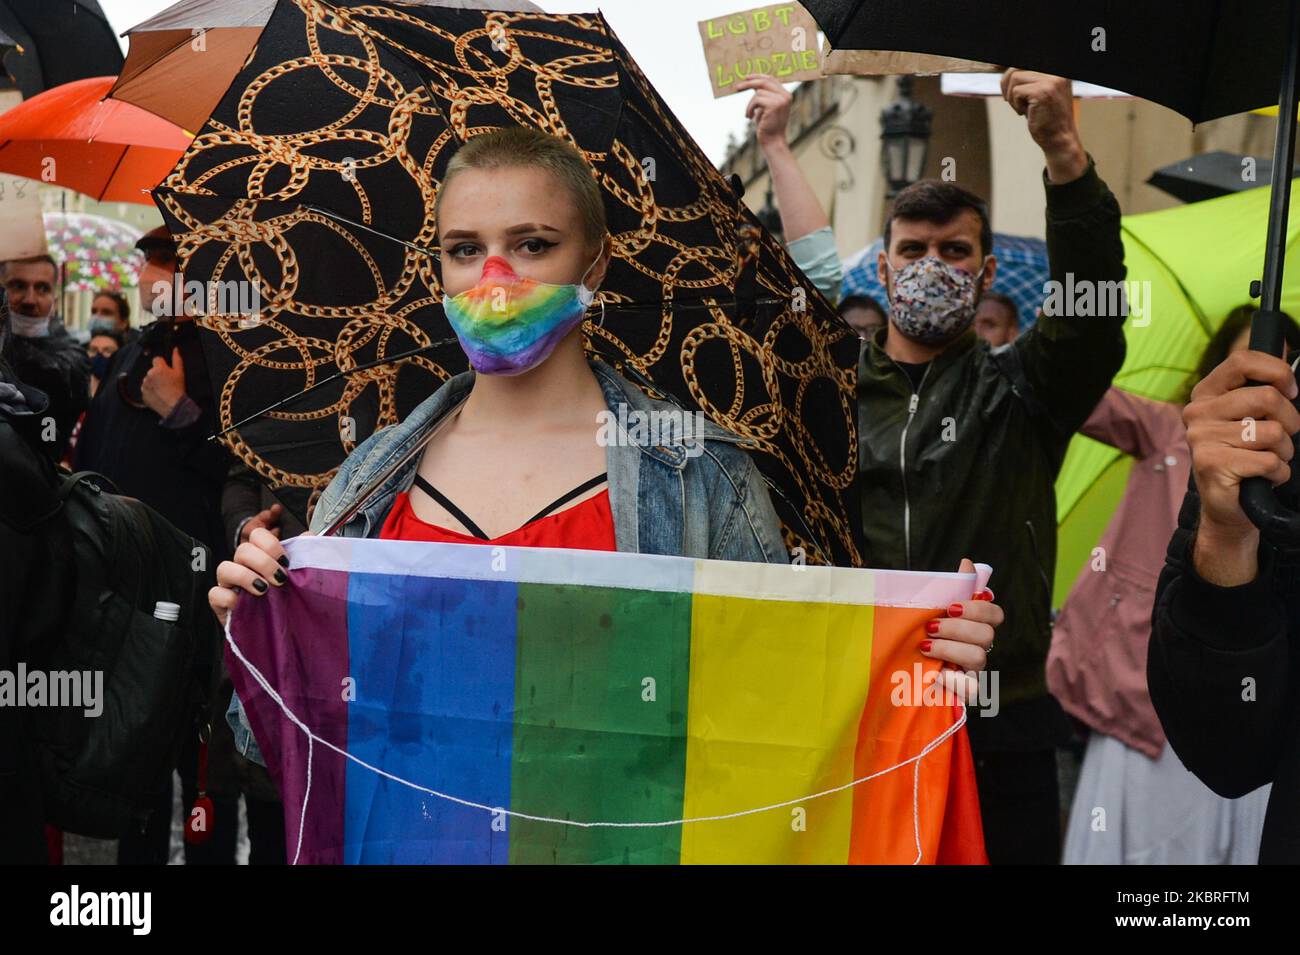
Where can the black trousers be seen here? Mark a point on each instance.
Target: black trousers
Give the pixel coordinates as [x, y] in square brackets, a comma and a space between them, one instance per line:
[152, 844]
[265, 831]
[1020, 803]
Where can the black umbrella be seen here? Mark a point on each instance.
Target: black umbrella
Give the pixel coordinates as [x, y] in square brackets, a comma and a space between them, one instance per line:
[7, 45]
[314, 180]
[1211, 175]
[1203, 58]
[60, 41]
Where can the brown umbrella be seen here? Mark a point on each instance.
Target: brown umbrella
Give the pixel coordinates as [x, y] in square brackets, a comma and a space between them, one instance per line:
[183, 60]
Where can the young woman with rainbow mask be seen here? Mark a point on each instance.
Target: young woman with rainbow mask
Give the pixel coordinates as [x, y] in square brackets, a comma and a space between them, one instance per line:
[509, 454]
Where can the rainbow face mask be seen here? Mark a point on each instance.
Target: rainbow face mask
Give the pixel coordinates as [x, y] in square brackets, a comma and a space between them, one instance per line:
[508, 324]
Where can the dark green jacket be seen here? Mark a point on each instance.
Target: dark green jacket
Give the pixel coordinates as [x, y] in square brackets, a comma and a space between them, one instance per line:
[966, 467]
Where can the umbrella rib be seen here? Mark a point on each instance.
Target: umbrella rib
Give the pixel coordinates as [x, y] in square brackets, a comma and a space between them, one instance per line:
[112, 175]
[1116, 458]
[413, 353]
[1196, 306]
[857, 6]
[361, 225]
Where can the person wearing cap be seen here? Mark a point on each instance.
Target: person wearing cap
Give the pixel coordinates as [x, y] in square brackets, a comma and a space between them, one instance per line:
[148, 425]
[147, 430]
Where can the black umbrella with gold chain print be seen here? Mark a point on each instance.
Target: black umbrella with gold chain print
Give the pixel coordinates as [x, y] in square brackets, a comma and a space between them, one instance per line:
[313, 183]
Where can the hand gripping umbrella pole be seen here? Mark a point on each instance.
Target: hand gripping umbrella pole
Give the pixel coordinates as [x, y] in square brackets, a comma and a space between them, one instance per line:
[1259, 501]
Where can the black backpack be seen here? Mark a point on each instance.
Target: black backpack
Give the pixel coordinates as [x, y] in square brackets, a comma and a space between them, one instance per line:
[101, 776]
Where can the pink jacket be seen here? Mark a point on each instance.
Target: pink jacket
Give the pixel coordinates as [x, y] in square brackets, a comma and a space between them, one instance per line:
[1097, 666]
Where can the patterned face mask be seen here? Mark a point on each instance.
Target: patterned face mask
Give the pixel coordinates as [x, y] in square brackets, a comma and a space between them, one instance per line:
[933, 302]
[508, 325]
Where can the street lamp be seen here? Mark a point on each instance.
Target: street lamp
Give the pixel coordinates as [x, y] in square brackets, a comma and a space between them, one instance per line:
[904, 138]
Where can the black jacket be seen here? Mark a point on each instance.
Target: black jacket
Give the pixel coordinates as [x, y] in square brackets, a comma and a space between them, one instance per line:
[966, 465]
[32, 592]
[176, 471]
[1224, 674]
[59, 367]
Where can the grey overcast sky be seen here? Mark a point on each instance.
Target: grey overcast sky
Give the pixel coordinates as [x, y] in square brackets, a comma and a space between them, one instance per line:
[661, 34]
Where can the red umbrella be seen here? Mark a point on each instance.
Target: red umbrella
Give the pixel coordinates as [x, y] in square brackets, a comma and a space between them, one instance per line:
[72, 136]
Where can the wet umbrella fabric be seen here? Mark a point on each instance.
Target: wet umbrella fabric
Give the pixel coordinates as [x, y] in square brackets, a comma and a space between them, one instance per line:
[59, 41]
[182, 59]
[314, 182]
[1211, 175]
[1202, 58]
[1191, 264]
[73, 137]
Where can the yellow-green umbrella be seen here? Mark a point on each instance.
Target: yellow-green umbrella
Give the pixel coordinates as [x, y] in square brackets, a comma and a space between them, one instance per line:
[1199, 261]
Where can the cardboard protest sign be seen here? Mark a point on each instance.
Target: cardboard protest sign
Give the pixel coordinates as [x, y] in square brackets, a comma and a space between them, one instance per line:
[779, 40]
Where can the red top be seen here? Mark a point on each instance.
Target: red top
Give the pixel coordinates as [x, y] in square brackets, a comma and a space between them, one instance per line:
[585, 526]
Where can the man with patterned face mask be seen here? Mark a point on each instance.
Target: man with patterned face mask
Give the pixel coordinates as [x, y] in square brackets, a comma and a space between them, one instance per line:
[960, 443]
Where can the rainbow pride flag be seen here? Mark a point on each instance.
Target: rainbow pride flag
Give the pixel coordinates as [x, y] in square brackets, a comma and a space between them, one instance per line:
[455, 703]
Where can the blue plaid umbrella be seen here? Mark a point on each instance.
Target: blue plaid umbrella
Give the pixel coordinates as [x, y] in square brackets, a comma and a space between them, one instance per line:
[1022, 271]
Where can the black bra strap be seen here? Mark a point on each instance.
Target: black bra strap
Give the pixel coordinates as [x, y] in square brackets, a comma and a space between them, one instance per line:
[451, 508]
[581, 489]
[473, 528]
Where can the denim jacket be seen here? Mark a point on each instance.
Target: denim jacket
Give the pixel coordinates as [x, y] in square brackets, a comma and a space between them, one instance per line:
[686, 495]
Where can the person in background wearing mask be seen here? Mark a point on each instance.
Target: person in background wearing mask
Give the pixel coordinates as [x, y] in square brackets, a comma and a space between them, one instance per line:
[40, 350]
[101, 348]
[864, 315]
[947, 424]
[148, 425]
[997, 319]
[944, 424]
[111, 312]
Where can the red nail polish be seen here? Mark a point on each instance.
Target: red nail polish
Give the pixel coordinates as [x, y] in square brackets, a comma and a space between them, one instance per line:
[932, 626]
[925, 645]
[955, 610]
[983, 595]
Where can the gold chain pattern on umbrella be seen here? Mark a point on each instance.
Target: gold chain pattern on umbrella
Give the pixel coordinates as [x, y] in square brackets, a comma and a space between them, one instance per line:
[344, 111]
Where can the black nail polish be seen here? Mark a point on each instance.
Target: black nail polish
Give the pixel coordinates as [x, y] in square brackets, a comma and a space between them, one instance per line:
[259, 585]
[280, 577]
[284, 561]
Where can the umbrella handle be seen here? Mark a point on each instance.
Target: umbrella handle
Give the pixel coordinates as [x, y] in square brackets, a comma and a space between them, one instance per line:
[1278, 524]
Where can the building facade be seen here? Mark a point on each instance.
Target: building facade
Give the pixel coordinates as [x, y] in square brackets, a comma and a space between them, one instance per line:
[982, 145]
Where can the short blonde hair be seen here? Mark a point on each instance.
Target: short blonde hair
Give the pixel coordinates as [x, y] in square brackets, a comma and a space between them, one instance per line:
[514, 146]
